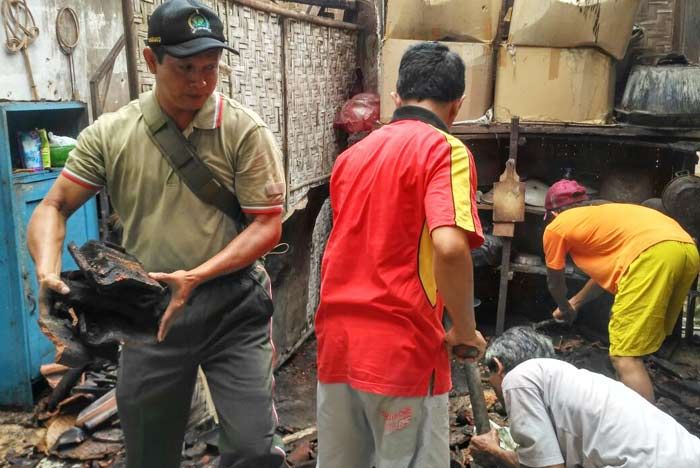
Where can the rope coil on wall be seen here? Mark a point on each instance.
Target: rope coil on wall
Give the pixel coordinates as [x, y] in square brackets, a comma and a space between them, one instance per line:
[19, 24]
[20, 31]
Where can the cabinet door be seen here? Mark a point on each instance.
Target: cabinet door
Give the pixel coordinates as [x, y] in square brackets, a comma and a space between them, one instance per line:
[82, 226]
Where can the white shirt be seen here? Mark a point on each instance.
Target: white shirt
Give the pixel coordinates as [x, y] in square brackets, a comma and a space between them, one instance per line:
[561, 414]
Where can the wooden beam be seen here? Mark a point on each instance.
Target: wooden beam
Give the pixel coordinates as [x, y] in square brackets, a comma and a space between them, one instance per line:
[618, 130]
[505, 257]
[308, 432]
[343, 4]
[286, 13]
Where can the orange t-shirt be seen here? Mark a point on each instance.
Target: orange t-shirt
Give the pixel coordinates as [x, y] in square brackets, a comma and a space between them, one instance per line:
[603, 240]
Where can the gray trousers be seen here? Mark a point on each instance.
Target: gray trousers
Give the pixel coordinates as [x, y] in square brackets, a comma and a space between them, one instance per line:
[362, 430]
[225, 328]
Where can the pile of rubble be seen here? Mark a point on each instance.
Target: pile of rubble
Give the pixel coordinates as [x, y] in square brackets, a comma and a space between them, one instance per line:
[81, 414]
[674, 370]
[76, 424]
[111, 300]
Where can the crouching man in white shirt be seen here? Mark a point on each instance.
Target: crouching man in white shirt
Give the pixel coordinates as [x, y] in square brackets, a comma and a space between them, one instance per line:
[562, 416]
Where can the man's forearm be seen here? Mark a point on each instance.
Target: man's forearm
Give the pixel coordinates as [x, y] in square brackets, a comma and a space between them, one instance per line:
[254, 242]
[47, 227]
[454, 275]
[588, 293]
[507, 458]
[45, 235]
[556, 282]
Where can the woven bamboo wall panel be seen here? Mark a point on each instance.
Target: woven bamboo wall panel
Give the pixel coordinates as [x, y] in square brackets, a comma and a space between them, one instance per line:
[142, 11]
[657, 17]
[317, 74]
[320, 65]
[257, 80]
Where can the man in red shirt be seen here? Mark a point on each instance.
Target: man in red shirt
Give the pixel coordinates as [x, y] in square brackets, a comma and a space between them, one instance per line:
[405, 221]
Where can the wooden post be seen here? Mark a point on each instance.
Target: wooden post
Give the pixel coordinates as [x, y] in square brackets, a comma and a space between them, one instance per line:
[132, 49]
[506, 231]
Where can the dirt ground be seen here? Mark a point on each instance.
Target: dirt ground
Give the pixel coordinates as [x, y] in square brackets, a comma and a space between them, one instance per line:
[295, 389]
[675, 371]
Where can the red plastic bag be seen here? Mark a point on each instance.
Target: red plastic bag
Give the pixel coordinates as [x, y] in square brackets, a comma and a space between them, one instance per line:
[359, 113]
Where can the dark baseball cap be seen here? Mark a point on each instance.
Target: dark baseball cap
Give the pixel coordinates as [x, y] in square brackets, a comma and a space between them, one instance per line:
[185, 28]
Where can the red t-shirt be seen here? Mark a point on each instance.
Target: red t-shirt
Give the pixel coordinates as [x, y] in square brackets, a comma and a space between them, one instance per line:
[379, 321]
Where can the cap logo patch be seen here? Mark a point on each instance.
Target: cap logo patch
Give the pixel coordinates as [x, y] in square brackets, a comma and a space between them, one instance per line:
[198, 23]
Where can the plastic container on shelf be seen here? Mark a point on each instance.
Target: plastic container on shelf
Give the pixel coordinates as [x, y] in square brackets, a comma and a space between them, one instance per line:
[59, 154]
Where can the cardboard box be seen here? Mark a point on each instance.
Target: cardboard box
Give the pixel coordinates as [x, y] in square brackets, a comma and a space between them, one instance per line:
[478, 61]
[606, 24]
[541, 84]
[443, 20]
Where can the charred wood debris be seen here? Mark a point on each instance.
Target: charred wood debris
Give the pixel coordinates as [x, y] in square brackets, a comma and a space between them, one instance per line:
[113, 299]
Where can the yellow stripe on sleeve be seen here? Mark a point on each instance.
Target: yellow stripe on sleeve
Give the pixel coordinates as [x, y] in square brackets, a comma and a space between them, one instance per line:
[461, 183]
[426, 271]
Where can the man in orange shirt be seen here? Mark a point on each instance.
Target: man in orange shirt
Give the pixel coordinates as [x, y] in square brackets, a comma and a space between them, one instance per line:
[638, 254]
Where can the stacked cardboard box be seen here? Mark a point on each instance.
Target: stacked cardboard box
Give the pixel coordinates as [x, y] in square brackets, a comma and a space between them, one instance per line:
[559, 63]
[468, 28]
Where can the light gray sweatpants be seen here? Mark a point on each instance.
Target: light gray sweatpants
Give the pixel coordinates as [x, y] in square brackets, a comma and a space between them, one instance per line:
[364, 430]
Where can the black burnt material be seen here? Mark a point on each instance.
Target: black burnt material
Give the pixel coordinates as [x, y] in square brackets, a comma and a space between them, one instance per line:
[112, 300]
[111, 268]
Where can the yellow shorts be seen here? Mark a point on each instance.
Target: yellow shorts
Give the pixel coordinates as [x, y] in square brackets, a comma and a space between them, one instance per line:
[650, 297]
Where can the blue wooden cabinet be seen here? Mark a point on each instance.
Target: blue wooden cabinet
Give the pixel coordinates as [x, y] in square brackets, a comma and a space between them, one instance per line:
[23, 348]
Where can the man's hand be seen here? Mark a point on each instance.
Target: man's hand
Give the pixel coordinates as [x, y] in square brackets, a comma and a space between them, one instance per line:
[181, 285]
[567, 315]
[47, 284]
[475, 340]
[486, 444]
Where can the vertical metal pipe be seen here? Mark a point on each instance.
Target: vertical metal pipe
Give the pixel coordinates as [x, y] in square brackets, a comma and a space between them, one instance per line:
[131, 48]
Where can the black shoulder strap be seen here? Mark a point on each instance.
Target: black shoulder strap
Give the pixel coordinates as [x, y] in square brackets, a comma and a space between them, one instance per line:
[183, 158]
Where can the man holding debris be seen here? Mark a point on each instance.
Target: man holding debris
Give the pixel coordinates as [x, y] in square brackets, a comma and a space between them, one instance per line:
[638, 254]
[561, 416]
[220, 308]
[404, 224]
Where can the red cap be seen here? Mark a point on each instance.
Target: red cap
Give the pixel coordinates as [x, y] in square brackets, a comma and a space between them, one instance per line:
[564, 193]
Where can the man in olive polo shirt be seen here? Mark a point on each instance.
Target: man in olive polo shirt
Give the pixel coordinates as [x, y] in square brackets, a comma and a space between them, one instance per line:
[220, 310]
